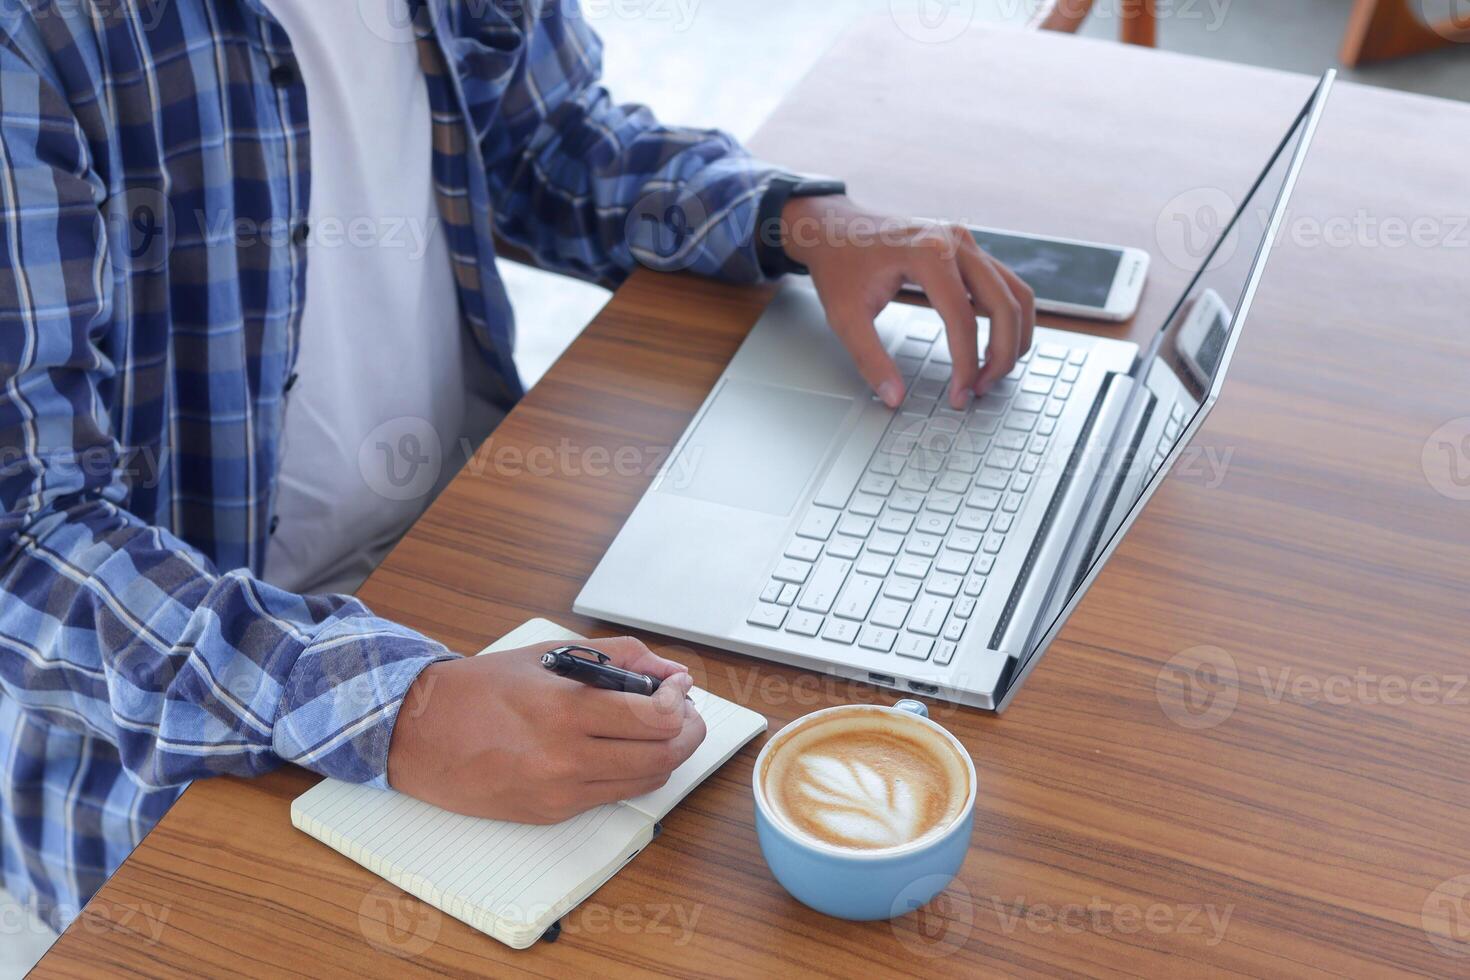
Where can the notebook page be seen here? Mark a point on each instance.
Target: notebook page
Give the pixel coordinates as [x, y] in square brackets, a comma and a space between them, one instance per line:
[509, 879]
[729, 726]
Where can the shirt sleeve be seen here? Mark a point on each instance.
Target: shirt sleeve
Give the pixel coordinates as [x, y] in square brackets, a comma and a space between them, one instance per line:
[593, 188]
[111, 627]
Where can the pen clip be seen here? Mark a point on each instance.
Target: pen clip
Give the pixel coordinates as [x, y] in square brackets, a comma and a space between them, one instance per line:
[602, 658]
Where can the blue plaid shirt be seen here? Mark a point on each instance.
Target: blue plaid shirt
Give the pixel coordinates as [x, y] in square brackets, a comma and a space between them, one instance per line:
[146, 351]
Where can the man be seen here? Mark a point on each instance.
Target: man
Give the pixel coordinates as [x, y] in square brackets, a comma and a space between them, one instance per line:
[177, 512]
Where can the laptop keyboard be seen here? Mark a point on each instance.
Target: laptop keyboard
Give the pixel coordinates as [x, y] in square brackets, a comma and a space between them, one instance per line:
[893, 553]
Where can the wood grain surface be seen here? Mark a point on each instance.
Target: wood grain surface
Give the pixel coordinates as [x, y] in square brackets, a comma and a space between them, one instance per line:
[1245, 754]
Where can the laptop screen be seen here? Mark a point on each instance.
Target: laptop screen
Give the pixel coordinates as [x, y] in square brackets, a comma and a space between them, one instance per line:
[1183, 367]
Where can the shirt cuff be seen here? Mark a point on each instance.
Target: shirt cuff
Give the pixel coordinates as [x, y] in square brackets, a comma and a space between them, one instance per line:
[344, 696]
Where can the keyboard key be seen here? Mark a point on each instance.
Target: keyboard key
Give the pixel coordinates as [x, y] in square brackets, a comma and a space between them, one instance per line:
[877, 638]
[911, 566]
[1077, 355]
[866, 505]
[993, 543]
[889, 613]
[804, 549]
[928, 615]
[964, 607]
[953, 481]
[1034, 385]
[1030, 464]
[856, 525]
[913, 348]
[790, 570]
[1054, 407]
[917, 647]
[843, 546]
[896, 521]
[766, 615]
[826, 579]
[886, 464]
[991, 479]
[898, 444]
[954, 630]
[966, 541]
[982, 498]
[916, 404]
[1063, 391]
[946, 423]
[871, 564]
[945, 584]
[921, 327]
[906, 500]
[1012, 503]
[940, 354]
[1021, 421]
[934, 372]
[944, 503]
[983, 422]
[971, 519]
[1056, 351]
[788, 594]
[964, 462]
[857, 597]
[953, 562]
[772, 591]
[1004, 459]
[922, 544]
[931, 523]
[1045, 367]
[877, 484]
[916, 481]
[803, 623]
[983, 565]
[1011, 440]
[945, 653]
[1046, 426]
[840, 631]
[909, 367]
[974, 585]
[818, 523]
[884, 543]
[1021, 483]
[905, 590]
[926, 460]
[1003, 523]
[1071, 373]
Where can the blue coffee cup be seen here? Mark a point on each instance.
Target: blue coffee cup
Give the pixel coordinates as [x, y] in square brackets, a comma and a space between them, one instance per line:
[862, 884]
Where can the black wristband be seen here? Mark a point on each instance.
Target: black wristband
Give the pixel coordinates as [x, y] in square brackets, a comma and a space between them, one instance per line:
[769, 250]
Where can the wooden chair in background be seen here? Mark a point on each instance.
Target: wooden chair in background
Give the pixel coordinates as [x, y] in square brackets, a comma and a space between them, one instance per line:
[1138, 21]
[1376, 29]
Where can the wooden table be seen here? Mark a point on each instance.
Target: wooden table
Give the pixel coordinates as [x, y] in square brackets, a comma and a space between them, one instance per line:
[1304, 812]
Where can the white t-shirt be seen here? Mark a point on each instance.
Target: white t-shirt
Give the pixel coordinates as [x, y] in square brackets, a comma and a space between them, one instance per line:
[386, 397]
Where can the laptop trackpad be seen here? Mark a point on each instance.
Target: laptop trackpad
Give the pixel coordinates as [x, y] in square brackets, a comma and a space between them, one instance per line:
[756, 447]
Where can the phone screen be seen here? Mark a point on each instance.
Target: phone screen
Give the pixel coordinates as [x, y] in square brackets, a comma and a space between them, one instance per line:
[1061, 272]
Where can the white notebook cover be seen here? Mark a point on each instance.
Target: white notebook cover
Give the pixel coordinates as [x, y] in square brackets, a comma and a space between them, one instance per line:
[511, 881]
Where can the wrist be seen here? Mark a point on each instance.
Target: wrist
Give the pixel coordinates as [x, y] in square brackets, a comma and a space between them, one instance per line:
[772, 229]
[809, 223]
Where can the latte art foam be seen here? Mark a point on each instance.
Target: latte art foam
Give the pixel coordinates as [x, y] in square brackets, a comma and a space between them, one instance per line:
[866, 782]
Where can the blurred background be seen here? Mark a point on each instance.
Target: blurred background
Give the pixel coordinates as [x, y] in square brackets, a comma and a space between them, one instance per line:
[727, 63]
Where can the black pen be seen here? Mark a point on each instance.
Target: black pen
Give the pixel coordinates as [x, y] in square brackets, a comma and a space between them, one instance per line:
[564, 662]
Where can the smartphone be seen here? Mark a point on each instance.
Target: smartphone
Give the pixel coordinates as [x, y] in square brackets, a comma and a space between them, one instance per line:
[1070, 277]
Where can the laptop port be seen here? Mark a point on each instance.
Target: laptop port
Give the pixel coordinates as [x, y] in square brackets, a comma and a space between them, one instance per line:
[883, 679]
[922, 688]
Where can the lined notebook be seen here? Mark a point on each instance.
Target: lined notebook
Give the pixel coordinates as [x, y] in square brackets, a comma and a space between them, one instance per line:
[511, 881]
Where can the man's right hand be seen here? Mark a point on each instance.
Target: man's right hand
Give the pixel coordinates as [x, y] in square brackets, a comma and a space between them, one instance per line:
[500, 736]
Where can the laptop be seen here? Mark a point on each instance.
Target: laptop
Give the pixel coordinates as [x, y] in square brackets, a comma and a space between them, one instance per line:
[923, 549]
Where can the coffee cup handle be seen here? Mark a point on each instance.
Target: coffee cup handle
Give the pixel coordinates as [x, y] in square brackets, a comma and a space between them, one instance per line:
[913, 707]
